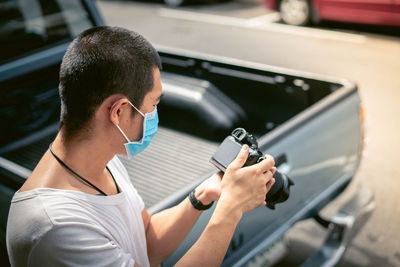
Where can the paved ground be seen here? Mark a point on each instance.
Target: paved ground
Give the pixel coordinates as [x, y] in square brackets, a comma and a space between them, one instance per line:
[368, 55]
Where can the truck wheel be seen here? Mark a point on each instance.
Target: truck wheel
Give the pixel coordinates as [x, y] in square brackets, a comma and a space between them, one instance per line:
[295, 12]
[174, 3]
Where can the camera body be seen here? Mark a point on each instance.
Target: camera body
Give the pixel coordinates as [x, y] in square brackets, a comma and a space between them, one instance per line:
[230, 148]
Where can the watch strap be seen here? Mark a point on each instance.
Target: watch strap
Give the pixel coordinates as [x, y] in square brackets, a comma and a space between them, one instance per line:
[196, 203]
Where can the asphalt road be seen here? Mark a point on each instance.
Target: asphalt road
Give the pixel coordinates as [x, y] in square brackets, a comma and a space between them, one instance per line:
[370, 56]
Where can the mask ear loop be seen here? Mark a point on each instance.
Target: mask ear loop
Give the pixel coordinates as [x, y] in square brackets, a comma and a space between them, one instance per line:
[126, 137]
[119, 128]
[141, 113]
[144, 122]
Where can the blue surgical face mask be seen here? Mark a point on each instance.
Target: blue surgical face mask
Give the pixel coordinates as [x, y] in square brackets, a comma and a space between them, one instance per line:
[150, 127]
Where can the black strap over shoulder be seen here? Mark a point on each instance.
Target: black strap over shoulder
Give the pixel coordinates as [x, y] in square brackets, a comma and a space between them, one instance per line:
[80, 177]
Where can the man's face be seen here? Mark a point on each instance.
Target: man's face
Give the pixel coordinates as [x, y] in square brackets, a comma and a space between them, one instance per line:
[151, 99]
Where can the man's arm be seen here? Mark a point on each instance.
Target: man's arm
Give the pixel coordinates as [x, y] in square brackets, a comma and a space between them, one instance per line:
[167, 229]
[211, 247]
[243, 189]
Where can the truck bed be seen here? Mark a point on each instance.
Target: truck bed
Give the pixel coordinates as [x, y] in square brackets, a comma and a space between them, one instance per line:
[178, 161]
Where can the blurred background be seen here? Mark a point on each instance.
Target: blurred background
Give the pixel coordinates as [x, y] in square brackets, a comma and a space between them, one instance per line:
[353, 39]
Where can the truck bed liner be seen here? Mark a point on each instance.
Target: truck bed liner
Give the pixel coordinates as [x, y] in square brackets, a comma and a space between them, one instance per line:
[172, 161]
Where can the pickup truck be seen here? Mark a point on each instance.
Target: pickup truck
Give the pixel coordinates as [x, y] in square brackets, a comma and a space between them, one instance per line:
[311, 124]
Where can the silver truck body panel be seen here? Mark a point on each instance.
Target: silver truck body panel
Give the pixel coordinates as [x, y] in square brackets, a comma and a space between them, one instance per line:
[322, 157]
[318, 147]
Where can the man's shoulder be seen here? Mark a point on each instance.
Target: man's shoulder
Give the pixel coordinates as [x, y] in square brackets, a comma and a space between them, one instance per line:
[27, 212]
[45, 225]
[49, 203]
[39, 204]
[48, 208]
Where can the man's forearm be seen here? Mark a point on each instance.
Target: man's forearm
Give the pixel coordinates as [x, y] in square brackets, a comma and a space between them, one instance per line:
[241, 190]
[167, 229]
[211, 247]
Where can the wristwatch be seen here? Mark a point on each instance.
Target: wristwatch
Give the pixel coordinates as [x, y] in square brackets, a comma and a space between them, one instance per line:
[196, 203]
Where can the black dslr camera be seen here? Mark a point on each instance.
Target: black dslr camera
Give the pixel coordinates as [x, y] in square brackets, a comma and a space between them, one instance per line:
[231, 147]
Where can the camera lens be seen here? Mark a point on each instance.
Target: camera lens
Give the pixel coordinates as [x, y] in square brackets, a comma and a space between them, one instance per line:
[280, 191]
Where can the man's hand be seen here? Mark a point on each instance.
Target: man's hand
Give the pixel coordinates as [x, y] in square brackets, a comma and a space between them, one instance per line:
[209, 190]
[245, 188]
[241, 189]
[247, 181]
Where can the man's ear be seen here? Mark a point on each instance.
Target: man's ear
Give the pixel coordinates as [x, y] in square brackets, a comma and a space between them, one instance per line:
[117, 107]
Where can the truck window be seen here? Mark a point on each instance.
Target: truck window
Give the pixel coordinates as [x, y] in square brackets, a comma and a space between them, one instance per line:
[32, 25]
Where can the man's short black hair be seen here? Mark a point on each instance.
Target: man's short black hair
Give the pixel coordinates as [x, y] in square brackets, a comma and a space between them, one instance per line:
[100, 62]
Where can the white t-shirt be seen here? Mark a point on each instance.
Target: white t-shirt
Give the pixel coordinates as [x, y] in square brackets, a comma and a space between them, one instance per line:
[52, 227]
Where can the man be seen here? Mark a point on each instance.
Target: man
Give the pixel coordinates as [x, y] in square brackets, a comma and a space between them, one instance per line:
[78, 208]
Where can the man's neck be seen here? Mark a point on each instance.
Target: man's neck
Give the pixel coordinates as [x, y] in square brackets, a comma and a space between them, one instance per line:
[87, 157]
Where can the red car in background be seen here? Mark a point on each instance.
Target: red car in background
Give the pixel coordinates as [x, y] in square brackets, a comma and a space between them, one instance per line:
[302, 12]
